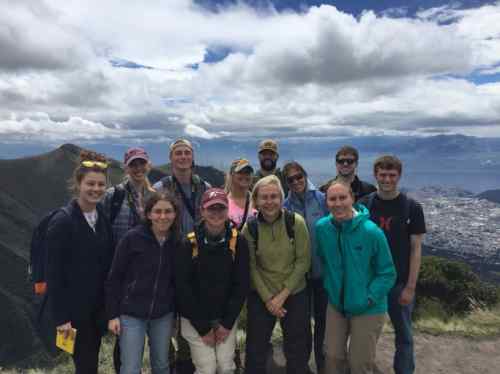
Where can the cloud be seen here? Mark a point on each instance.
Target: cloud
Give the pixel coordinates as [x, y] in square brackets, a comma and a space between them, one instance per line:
[320, 72]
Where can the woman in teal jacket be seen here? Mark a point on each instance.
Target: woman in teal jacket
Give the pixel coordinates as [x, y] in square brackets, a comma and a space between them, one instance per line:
[358, 273]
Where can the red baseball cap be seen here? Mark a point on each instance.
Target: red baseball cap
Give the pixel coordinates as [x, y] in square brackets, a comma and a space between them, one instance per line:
[133, 154]
[214, 196]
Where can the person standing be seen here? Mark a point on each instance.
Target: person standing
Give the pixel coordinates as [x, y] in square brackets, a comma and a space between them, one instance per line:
[402, 220]
[303, 198]
[188, 188]
[212, 280]
[80, 247]
[358, 274]
[280, 257]
[140, 287]
[237, 187]
[346, 162]
[184, 184]
[268, 158]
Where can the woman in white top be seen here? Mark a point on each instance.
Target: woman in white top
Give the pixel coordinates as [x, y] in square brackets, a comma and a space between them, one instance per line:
[237, 188]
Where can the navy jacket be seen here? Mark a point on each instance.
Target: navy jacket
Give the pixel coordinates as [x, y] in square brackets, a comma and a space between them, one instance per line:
[141, 280]
[79, 261]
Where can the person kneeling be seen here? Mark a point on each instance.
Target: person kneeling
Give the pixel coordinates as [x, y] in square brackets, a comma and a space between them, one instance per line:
[212, 281]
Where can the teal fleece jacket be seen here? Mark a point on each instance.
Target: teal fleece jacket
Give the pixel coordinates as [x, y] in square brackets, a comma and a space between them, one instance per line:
[358, 271]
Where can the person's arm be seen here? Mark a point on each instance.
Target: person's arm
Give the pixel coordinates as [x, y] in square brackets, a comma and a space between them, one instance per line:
[302, 255]
[116, 277]
[385, 272]
[240, 283]
[186, 299]
[260, 286]
[59, 244]
[408, 292]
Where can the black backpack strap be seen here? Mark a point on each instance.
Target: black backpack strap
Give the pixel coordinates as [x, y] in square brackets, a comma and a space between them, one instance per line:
[190, 205]
[245, 213]
[290, 224]
[369, 200]
[116, 202]
[253, 229]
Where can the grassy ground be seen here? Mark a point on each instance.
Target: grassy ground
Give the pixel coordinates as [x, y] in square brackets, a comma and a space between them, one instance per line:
[478, 324]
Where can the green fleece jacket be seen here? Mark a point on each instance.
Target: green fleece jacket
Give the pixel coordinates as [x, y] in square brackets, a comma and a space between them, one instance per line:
[278, 263]
[358, 269]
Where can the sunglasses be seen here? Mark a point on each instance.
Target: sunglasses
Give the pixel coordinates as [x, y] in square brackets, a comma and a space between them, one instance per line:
[294, 178]
[346, 161]
[92, 164]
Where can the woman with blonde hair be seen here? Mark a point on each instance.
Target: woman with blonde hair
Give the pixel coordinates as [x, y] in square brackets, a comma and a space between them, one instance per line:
[279, 250]
[237, 188]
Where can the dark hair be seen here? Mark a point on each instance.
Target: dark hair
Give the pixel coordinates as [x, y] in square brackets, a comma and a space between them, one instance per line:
[169, 197]
[388, 162]
[347, 150]
[290, 165]
[81, 170]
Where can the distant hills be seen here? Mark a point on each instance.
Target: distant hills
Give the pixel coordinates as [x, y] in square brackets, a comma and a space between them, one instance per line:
[31, 187]
[491, 195]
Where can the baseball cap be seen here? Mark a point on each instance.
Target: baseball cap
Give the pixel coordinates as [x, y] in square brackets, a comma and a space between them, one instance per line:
[214, 196]
[240, 165]
[179, 142]
[133, 154]
[268, 144]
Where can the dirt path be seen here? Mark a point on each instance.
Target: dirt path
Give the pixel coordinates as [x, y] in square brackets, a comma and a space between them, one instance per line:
[436, 354]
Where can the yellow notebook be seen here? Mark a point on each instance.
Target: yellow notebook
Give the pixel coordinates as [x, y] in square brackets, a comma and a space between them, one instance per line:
[66, 344]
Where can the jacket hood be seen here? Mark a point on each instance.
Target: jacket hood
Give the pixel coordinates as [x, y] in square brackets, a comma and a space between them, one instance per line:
[361, 214]
[310, 188]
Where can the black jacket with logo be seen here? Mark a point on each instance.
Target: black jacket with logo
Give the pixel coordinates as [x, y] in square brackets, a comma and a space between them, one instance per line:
[141, 280]
[212, 286]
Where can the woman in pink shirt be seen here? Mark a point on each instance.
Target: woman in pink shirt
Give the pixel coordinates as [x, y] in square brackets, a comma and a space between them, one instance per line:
[237, 187]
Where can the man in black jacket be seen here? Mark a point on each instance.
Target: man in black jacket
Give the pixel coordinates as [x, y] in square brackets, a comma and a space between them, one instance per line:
[346, 162]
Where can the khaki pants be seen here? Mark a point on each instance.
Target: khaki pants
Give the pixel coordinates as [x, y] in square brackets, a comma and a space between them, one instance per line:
[210, 360]
[362, 332]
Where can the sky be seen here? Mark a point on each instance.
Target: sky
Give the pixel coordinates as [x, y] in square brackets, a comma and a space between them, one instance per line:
[129, 72]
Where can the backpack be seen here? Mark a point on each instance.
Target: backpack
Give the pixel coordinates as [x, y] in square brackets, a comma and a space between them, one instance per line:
[253, 227]
[194, 243]
[39, 256]
[407, 202]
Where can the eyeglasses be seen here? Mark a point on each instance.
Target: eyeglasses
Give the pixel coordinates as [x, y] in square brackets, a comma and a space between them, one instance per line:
[91, 164]
[346, 161]
[294, 178]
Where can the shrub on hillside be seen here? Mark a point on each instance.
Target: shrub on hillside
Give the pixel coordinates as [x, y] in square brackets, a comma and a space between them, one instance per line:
[452, 285]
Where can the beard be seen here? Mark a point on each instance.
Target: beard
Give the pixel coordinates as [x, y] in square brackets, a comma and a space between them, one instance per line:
[268, 164]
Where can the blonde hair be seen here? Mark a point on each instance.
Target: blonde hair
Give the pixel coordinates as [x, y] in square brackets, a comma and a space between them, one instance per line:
[266, 181]
[81, 170]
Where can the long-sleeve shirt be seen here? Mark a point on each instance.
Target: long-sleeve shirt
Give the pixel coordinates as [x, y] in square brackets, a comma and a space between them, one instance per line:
[278, 262]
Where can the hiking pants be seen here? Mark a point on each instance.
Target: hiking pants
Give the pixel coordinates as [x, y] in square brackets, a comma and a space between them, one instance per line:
[206, 359]
[87, 345]
[296, 328]
[319, 302]
[400, 315]
[362, 332]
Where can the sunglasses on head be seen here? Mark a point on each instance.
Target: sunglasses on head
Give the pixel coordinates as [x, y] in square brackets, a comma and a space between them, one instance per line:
[294, 178]
[92, 164]
[346, 161]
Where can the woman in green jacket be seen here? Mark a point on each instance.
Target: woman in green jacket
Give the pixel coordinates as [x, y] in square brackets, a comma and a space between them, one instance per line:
[358, 273]
[279, 249]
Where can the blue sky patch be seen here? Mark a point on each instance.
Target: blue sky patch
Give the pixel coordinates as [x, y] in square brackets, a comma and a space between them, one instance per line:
[122, 63]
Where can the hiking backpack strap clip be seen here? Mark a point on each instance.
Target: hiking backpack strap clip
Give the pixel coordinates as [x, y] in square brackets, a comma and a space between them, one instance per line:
[253, 228]
[194, 244]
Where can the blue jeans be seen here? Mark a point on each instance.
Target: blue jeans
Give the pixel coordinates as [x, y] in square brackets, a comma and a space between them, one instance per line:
[133, 333]
[404, 359]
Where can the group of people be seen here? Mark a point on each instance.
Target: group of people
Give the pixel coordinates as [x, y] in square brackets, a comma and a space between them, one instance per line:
[181, 258]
